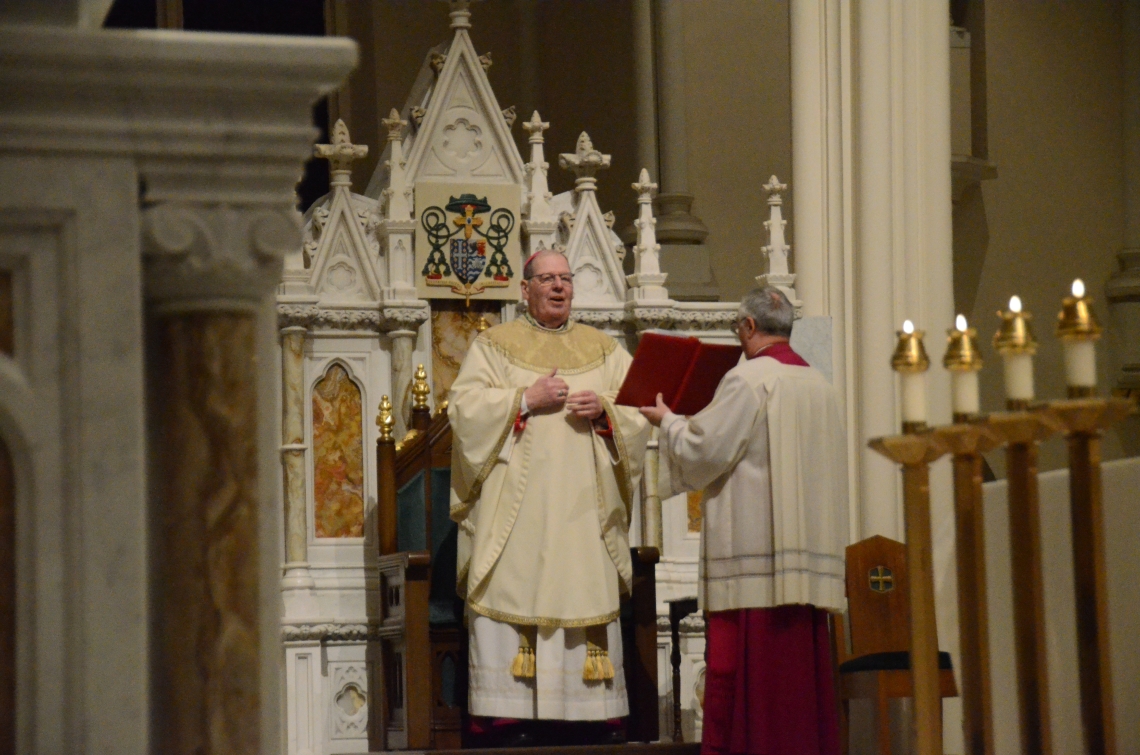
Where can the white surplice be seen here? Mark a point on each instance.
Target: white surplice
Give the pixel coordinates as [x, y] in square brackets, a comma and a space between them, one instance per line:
[769, 452]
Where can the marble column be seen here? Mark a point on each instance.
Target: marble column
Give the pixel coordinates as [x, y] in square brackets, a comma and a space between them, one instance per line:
[1123, 289]
[293, 449]
[645, 82]
[214, 237]
[681, 233]
[403, 344]
[902, 240]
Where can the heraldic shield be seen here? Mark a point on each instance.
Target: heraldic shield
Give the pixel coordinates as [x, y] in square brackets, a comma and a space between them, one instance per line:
[470, 242]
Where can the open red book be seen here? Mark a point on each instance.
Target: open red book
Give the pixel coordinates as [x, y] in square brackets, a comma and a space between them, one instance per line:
[685, 371]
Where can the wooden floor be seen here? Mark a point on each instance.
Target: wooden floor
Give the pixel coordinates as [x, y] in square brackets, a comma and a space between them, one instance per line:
[660, 748]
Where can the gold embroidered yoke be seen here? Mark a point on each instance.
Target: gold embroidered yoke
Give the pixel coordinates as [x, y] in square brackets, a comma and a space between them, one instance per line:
[543, 512]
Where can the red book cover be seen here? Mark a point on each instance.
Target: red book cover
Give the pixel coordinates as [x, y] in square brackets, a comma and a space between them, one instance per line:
[685, 371]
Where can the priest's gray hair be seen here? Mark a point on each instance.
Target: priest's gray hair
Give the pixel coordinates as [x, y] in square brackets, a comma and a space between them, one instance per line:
[770, 309]
[528, 266]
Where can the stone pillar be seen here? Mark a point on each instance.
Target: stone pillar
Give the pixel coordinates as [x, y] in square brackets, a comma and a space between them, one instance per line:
[645, 82]
[293, 449]
[215, 232]
[1123, 289]
[903, 241]
[681, 233]
[403, 344]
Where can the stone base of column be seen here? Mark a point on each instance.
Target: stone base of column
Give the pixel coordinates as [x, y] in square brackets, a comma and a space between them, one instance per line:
[683, 254]
[297, 576]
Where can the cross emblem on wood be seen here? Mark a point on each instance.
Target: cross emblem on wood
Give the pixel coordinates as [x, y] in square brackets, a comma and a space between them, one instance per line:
[882, 579]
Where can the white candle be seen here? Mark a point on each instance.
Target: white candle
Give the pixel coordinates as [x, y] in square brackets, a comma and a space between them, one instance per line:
[1018, 376]
[1080, 352]
[1080, 364]
[913, 396]
[964, 392]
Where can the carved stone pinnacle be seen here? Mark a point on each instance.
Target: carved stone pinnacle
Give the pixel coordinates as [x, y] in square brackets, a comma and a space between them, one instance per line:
[535, 126]
[585, 161]
[775, 188]
[644, 187]
[394, 125]
[342, 152]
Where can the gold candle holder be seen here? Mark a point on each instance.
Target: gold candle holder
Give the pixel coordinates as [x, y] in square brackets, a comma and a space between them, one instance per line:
[1078, 329]
[911, 362]
[964, 360]
[1016, 344]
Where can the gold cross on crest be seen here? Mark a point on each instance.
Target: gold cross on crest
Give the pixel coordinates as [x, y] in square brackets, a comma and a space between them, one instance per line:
[467, 222]
[882, 580]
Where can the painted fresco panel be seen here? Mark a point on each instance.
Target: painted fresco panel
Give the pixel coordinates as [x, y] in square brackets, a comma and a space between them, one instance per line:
[338, 462]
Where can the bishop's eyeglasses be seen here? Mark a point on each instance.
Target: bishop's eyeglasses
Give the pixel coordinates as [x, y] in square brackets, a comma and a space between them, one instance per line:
[547, 279]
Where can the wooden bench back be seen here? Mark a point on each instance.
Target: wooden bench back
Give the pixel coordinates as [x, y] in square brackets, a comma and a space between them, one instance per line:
[877, 597]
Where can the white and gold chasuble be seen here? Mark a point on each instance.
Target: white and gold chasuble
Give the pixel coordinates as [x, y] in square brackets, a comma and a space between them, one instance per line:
[543, 512]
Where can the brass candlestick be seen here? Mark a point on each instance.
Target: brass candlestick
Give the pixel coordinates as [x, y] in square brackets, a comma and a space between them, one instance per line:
[964, 360]
[911, 362]
[1078, 329]
[1015, 342]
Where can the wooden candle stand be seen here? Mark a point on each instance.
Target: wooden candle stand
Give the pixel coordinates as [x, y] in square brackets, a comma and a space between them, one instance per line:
[1082, 421]
[915, 452]
[1022, 431]
[966, 441]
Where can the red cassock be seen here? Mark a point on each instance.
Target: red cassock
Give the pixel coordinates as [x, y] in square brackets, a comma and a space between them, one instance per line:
[769, 688]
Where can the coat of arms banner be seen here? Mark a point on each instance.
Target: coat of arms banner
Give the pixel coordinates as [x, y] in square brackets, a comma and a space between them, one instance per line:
[467, 241]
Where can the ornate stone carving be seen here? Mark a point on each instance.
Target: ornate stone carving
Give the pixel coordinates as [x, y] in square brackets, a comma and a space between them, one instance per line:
[417, 115]
[342, 153]
[485, 61]
[197, 253]
[329, 632]
[438, 60]
[349, 709]
[584, 162]
[510, 115]
[776, 250]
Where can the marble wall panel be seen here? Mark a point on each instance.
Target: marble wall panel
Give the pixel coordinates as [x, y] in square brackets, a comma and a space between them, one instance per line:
[338, 461]
[206, 498]
[453, 328]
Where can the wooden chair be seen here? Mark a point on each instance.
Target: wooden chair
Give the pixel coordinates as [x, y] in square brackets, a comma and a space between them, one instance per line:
[878, 666]
[422, 619]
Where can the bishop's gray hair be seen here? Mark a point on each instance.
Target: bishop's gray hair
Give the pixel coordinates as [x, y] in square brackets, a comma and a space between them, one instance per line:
[770, 309]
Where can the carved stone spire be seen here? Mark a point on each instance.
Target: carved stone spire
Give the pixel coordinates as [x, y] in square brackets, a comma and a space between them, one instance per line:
[537, 190]
[341, 154]
[460, 14]
[584, 162]
[399, 207]
[647, 281]
[776, 249]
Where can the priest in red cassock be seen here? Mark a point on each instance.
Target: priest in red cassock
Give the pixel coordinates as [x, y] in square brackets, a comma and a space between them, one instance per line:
[769, 452]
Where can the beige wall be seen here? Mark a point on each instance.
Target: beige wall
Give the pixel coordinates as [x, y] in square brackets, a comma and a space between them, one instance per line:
[739, 121]
[1055, 212]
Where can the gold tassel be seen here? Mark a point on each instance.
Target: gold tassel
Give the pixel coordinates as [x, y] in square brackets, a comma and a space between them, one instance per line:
[523, 666]
[599, 667]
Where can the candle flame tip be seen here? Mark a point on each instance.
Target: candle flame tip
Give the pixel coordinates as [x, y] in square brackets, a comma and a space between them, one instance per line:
[1015, 304]
[1078, 288]
[960, 323]
[908, 327]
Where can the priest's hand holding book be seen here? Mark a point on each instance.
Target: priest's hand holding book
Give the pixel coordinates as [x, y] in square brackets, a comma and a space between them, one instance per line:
[655, 413]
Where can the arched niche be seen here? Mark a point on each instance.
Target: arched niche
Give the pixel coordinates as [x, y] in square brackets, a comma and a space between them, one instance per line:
[338, 454]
